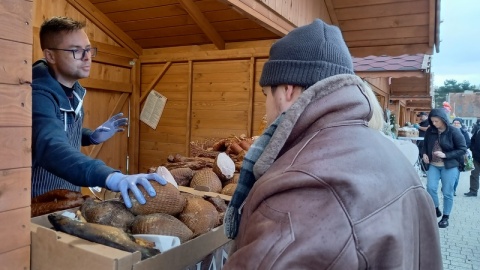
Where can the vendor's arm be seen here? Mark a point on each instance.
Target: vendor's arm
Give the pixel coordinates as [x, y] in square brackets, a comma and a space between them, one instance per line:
[86, 134]
[105, 131]
[52, 151]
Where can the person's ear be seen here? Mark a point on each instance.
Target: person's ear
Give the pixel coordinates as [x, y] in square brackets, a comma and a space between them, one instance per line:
[49, 56]
[289, 92]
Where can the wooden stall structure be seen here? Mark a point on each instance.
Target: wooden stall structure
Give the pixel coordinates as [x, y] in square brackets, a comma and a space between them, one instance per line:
[402, 83]
[15, 133]
[205, 56]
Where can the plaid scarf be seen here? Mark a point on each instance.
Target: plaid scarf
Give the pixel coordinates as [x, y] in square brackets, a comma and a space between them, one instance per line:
[247, 180]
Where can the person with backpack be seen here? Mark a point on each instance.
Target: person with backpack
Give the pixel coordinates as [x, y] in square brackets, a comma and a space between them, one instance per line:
[475, 173]
[458, 123]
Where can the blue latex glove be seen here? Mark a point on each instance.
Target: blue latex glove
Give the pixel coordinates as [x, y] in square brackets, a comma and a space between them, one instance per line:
[108, 129]
[416, 126]
[119, 182]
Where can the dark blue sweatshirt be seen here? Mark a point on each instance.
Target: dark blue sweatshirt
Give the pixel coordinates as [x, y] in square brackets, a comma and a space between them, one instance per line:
[57, 135]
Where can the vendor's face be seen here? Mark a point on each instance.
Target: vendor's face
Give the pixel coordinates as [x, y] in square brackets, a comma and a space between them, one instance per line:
[438, 122]
[457, 124]
[68, 69]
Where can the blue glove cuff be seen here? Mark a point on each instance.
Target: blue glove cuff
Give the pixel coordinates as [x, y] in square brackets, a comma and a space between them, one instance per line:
[93, 140]
[112, 181]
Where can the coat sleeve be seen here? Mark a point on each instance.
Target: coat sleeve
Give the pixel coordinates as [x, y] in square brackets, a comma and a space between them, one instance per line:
[472, 142]
[459, 145]
[467, 138]
[86, 133]
[293, 230]
[426, 139]
[52, 150]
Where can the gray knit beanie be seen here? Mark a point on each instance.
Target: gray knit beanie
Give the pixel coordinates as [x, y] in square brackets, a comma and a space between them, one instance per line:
[306, 55]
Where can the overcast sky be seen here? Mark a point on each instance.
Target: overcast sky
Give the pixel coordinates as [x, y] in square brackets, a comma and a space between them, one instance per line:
[459, 56]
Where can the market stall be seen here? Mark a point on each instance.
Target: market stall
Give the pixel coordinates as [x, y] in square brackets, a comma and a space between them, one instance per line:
[204, 56]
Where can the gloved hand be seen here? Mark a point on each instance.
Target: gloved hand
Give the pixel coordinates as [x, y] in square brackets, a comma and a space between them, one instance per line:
[108, 129]
[416, 126]
[119, 182]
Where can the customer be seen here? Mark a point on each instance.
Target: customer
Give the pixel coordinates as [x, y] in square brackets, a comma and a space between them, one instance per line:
[377, 122]
[319, 189]
[57, 118]
[476, 126]
[475, 174]
[458, 123]
[443, 149]
[422, 127]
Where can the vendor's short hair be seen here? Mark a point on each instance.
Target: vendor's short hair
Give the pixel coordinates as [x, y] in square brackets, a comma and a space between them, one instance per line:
[52, 28]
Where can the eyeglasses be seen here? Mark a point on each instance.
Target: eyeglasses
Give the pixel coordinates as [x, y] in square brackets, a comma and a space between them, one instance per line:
[79, 54]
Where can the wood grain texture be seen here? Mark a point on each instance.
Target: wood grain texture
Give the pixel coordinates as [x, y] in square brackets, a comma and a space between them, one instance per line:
[194, 11]
[16, 148]
[95, 149]
[16, 232]
[387, 9]
[105, 24]
[134, 118]
[16, 20]
[15, 188]
[15, 105]
[106, 85]
[16, 62]
[16, 259]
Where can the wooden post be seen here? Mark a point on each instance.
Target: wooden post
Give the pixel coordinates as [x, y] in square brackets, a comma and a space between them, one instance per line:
[189, 106]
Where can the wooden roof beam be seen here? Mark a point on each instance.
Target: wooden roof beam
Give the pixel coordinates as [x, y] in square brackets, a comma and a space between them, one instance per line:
[390, 74]
[393, 97]
[93, 14]
[437, 25]
[392, 50]
[258, 12]
[194, 11]
[331, 12]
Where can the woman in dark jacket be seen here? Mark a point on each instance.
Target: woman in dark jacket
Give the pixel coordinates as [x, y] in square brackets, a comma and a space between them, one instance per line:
[444, 147]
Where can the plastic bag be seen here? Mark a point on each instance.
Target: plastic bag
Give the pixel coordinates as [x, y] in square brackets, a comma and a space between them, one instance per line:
[468, 161]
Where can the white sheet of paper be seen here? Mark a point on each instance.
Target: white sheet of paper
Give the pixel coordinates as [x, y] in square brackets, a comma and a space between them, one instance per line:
[153, 109]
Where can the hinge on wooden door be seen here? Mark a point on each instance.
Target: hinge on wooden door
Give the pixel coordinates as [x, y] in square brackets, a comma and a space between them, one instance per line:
[128, 161]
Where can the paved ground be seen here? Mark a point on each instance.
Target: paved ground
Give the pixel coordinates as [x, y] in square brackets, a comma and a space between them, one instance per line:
[461, 239]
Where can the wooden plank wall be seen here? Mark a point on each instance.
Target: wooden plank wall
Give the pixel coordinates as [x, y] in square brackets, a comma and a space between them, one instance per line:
[220, 99]
[111, 80]
[171, 133]
[211, 94]
[411, 86]
[299, 12]
[15, 133]
[381, 88]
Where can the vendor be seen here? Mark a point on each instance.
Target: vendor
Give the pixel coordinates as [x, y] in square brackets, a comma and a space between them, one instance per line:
[57, 118]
